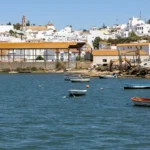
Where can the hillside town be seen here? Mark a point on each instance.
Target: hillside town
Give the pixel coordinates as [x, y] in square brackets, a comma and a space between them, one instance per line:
[101, 44]
[26, 32]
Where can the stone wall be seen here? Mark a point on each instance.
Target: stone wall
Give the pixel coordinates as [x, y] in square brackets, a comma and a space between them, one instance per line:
[83, 65]
[45, 65]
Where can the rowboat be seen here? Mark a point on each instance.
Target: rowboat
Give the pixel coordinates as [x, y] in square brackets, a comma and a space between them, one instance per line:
[68, 77]
[139, 101]
[80, 80]
[77, 92]
[108, 76]
[137, 86]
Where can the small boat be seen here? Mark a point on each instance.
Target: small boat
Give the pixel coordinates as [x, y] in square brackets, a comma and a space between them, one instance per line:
[12, 72]
[80, 80]
[137, 86]
[138, 101]
[68, 78]
[77, 92]
[108, 76]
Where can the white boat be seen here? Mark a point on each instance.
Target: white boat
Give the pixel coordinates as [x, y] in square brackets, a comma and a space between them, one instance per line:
[12, 72]
[108, 76]
[77, 92]
[137, 86]
[138, 101]
[68, 78]
[80, 80]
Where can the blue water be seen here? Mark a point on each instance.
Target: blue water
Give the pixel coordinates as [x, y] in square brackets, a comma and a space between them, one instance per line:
[37, 114]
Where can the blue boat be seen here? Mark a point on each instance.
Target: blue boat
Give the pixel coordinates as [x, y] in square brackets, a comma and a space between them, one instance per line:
[137, 86]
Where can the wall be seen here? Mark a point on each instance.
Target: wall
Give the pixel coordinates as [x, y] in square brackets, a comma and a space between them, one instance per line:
[45, 65]
[145, 48]
[83, 65]
[98, 60]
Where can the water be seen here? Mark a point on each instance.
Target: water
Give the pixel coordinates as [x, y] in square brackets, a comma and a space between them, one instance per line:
[37, 114]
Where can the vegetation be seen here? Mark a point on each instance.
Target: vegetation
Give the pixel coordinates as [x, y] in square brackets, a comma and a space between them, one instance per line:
[40, 58]
[9, 23]
[101, 68]
[12, 33]
[79, 58]
[60, 66]
[132, 38]
[28, 23]
[17, 26]
[96, 42]
[148, 21]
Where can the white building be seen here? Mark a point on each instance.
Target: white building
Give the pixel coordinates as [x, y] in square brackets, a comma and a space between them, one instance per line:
[6, 28]
[134, 46]
[103, 57]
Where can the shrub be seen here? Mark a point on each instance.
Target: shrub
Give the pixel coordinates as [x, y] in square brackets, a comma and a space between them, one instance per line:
[34, 69]
[40, 58]
[101, 68]
[6, 70]
[60, 66]
[78, 58]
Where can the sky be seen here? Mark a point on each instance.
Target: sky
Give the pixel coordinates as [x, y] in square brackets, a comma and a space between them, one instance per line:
[81, 14]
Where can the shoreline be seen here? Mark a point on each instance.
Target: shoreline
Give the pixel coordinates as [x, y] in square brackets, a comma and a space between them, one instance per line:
[92, 74]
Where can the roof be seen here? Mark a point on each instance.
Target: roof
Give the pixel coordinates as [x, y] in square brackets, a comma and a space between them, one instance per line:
[133, 44]
[41, 45]
[65, 50]
[38, 28]
[115, 53]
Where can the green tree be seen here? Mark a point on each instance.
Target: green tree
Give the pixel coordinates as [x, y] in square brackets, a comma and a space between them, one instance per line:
[17, 26]
[104, 26]
[96, 42]
[9, 23]
[40, 58]
[11, 32]
[28, 23]
[148, 21]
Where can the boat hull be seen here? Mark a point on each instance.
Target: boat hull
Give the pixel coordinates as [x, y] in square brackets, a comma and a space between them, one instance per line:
[137, 86]
[140, 101]
[80, 80]
[107, 77]
[77, 92]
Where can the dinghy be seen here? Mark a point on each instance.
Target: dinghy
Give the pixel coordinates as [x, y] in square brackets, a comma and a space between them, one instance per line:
[108, 76]
[139, 101]
[77, 92]
[137, 86]
[80, 80]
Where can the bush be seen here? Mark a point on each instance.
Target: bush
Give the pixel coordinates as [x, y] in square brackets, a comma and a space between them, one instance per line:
[6, 70]
[60, 66]
[78, 58]
[34, 69]
[40, 58]
[101, 68]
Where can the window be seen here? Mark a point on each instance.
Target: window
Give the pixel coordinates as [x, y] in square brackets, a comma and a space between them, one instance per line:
[104, 60]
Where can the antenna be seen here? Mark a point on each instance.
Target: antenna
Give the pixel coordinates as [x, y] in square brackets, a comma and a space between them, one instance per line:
[117, 20]
[140, 15]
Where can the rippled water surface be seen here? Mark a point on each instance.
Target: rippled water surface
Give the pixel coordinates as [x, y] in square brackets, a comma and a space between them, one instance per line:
[37, 114]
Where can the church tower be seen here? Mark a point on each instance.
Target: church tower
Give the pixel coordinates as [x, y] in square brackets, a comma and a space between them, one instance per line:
[23, 23]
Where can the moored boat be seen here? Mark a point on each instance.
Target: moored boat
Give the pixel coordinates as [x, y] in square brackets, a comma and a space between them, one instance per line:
[139, 101]
[77, 92]
[80, 80]
[108, 76]
[137, 86]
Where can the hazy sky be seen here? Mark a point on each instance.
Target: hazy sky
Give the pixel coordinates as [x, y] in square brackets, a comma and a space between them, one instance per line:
[81, 14]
